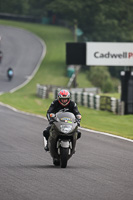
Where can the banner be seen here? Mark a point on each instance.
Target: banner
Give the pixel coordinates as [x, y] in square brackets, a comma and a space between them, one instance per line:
[109, 53]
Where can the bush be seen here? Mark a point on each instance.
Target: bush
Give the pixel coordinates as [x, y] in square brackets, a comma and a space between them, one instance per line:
[100, 77]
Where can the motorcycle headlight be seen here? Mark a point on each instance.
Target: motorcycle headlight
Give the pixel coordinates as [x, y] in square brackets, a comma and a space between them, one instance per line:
[65, 128]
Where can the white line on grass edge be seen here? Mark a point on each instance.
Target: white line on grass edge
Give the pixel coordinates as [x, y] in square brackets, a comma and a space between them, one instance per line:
[85, 129]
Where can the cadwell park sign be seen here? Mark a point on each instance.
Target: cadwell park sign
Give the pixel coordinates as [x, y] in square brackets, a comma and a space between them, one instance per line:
[109, 54]
[100, 53]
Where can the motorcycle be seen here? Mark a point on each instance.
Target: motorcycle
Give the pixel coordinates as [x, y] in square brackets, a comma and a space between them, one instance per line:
[63, 137]
[10, 74]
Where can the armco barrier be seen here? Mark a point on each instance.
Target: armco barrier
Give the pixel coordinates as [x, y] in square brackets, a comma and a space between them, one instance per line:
[41, 91]
[86, 99]
[96, 102]
[108, 103]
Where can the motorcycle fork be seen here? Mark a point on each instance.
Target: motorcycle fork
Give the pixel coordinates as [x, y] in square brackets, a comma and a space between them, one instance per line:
[61, 143]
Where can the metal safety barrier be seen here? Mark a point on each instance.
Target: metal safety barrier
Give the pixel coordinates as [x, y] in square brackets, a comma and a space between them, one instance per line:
[41, 91]
[97, 102]
[90, 100]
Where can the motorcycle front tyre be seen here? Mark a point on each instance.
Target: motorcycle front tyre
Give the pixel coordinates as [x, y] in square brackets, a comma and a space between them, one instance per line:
[63, 157]
[56, 162]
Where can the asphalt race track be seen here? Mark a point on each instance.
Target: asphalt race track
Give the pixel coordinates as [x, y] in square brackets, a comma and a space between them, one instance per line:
[22, 51]
[101, 168]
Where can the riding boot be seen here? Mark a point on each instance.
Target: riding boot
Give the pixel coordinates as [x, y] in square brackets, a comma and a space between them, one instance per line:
[45, 143]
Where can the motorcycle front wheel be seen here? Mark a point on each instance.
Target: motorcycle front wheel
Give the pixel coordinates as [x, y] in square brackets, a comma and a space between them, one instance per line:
[63, 157]
[56, 162]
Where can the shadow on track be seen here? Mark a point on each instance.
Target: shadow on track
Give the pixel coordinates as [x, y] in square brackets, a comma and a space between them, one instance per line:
[46, 167]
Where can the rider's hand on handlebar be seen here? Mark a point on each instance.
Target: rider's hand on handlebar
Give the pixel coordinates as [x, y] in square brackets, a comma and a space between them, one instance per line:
[78, 122]
[78, 117]
[51, 121]
[52, 116]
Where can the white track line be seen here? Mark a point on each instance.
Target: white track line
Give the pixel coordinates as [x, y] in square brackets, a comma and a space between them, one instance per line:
[85, 129]
[21, 112]
[107, 134]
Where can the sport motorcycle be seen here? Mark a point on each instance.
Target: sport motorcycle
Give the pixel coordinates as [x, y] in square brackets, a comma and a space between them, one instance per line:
[10, 74]
[63, 137]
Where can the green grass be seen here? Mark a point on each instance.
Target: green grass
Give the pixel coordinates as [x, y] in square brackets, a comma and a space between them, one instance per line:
[107, 122]
[115, 95]
[53, 71]
[82, 81]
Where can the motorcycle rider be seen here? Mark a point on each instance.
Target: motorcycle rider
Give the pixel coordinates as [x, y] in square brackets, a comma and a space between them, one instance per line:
[62, 102]
[10, 73]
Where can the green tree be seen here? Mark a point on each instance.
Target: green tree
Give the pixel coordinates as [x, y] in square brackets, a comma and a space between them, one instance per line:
[100, 77]
[20, 7]
[38, 8]
[100, 20]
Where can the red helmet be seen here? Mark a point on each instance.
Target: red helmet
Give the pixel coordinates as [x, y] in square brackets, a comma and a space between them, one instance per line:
[64, 97]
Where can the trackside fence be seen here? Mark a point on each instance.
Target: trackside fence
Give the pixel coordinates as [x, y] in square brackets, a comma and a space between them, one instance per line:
[90, 100]
[97, 102]
[42, 91]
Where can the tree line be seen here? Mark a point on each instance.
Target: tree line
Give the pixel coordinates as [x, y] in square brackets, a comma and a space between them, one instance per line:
[100, 20]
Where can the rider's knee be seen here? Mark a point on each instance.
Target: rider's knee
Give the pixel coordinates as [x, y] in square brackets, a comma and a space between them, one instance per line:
[46, 134]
